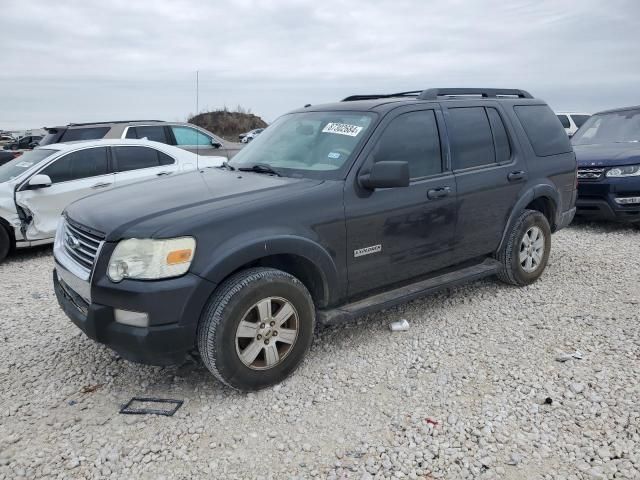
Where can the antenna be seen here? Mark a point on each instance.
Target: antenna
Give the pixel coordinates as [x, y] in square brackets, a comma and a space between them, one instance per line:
[197, 112]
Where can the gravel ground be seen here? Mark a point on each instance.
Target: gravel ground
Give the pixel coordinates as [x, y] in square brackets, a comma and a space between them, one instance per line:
[485, 384]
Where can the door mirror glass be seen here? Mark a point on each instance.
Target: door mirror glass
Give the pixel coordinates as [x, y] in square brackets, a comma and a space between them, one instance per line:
[39, 181]
[386, 174]
[215, 143]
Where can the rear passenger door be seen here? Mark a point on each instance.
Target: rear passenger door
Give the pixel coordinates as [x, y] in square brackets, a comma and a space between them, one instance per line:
[489, 173]
[135, 163]
[396, 234]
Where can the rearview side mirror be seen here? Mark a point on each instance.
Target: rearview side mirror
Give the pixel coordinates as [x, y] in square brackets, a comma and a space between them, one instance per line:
[387, 174]
[215, 143]
[39, 181]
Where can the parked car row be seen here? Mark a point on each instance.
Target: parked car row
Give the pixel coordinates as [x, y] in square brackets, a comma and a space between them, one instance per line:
[36, 186]
[572, 121]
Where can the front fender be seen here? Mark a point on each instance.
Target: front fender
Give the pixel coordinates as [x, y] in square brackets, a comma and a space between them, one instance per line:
[233, 254]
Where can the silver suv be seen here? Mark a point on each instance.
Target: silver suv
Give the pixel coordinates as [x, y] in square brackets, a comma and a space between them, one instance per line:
[182, 135]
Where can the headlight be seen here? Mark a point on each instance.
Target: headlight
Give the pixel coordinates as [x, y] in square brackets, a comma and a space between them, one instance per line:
[151, 259]
[628, 171]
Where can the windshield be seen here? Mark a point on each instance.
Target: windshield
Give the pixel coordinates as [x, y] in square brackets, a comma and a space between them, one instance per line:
[18, 166]
[616, 127]
[309, 144]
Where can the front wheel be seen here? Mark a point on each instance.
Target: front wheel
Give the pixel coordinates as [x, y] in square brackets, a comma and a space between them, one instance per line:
[256, 328]
[526, 249]
[5, 243]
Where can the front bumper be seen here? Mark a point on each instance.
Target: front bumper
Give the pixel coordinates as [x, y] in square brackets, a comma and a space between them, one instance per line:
[596, 199]
[173, 306]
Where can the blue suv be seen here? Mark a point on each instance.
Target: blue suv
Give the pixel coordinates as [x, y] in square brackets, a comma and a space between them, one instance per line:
[607, 148]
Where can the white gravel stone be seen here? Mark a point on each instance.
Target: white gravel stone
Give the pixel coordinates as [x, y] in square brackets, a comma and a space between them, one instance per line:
[460, 395]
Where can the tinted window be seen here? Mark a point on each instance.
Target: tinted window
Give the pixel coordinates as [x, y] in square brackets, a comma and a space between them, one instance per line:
[190, 136]
[580, 119]
[412, 138]
[165, 159]
[90, 162]
[543, 129]
[501, 139]
[155, 134]
[564, 120]
[131, 133]
[89, 133]
[471, 140]
[135, 158]
[614, 127]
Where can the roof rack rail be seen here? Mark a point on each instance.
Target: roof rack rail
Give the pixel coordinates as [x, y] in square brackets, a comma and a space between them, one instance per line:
[353, 98]
[434, 93]
[115, 121]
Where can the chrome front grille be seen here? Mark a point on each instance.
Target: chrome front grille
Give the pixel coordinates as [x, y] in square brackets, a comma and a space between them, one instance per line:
[590, 173]
[81, 245]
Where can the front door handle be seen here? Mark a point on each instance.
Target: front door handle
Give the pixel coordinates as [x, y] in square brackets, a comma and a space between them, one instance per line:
[515, 176]
[101, 185]
[439, 192]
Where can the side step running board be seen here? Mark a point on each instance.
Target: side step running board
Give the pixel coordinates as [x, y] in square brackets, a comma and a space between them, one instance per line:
[407, 293]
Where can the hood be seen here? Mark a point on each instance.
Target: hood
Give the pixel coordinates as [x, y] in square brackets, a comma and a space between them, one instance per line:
[171, 203]
[607, 154]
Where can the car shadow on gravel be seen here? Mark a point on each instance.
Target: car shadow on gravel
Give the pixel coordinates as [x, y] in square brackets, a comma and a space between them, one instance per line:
[27, 254]
[603, 226]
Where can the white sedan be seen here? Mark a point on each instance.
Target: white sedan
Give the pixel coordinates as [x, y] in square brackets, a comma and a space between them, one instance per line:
[36, 187]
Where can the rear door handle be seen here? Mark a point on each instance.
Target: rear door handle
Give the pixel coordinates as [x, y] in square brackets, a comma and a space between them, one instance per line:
[439, 192]
[515, 176]
[101, 185]
[160, 174]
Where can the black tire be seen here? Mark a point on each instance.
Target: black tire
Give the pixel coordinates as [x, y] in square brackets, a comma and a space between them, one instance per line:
[5, 243]
[233, 299]
[512, 270]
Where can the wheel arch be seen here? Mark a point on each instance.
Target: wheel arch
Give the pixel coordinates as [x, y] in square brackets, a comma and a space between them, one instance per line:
[300, 257]
[542, 198]
[10, 231]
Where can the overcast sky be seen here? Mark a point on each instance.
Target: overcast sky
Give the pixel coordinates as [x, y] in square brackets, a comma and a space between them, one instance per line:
[75, 61]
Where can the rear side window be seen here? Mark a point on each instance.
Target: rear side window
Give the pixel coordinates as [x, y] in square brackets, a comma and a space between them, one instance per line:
[153, 133]
[564, 120]
[580, 119]
[412, 138]
[89, 133]
[500, 137]
[471, 139]
[87, 163]
[543, 129]
[136, 158]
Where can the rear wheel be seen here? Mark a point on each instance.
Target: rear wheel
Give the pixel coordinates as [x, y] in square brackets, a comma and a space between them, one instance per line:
[5, 243]
[526, 249]
[256, 328]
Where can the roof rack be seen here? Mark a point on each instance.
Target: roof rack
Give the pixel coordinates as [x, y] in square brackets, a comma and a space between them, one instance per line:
[436, 93]
[353, 98]
[105, 123]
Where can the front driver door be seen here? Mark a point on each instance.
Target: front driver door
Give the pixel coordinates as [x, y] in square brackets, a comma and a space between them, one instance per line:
[395, 234]
[73, 176]
[198, 142]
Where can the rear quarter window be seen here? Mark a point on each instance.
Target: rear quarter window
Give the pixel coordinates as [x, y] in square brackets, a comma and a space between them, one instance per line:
[89, 133]
[543, 129]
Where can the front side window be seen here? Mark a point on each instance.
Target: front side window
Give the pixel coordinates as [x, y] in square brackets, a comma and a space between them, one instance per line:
[23, 163]
[136, 158]
[412, 138]
[470, 137]
[90, 162]
[308, 144]
[614, 127]
[190, 136]
[89, 133]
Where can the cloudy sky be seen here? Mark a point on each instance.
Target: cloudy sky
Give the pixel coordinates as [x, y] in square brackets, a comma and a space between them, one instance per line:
[86, 60]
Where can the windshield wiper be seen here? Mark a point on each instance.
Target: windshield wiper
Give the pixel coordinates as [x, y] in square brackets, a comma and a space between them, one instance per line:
[226, 165]
[260, 168]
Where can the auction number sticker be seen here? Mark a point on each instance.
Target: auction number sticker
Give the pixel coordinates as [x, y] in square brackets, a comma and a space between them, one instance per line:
[342, 129]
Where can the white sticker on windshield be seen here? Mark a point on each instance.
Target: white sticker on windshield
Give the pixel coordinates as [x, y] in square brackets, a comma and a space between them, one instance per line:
[342, 129]
[24, 164]
[334, 155]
